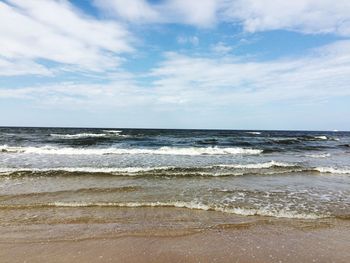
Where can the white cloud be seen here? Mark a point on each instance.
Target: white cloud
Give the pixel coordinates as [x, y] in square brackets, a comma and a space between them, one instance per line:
[37, 31]
[118, 94]
[33, 30]
[322, 75]
[306, 16]
[221, 48]
[133, 10]
[198, 13]
[183, 81]
[21, 67]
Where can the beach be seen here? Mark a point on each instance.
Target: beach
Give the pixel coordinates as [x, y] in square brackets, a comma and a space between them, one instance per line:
[175, 235]
[174, 131]
[138, 195]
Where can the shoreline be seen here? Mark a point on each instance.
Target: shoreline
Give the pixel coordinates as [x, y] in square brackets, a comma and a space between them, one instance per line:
[176, 235]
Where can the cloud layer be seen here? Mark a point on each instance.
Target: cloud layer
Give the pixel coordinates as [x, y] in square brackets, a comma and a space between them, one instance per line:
[197, 13]
[306, 16]
[102, 62]
[220, 81]
[59, 33]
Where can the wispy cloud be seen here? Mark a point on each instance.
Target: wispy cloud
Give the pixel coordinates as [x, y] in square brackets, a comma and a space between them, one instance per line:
[57, 32]
[213, 81]
[197, 13]
[323, 74]
[221, 48]
[307, 16]
[15, 67]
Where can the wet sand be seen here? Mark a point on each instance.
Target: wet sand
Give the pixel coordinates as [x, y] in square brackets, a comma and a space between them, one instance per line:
[169, 235]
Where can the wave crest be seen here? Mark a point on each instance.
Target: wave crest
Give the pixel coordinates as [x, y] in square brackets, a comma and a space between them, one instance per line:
[264, 211]
[257, 165]
[332, 170]
[108, 134]
[158, 151]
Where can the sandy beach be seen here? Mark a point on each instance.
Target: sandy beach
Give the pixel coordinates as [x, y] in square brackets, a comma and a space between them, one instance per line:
[168, 235]
[174, 131]
[83, 195]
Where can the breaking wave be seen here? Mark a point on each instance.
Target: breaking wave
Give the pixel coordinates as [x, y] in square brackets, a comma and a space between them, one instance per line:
[113, 131]
[267, 168]
[321, 155]
[332, 170]
[84, 169]
[157, 151]
[258, 165]
[264, 211]
[108, 134]
[321, 137]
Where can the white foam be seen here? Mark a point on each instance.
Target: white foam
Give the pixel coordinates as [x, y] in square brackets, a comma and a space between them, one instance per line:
[134, 171]
[112, 131]
[322, 155]
[88, 135]
[255, 133]
[257, 165]
[78, 135]
[332, 170]
[321, 137]
[86, 169]
[197, 206]
[157, 151]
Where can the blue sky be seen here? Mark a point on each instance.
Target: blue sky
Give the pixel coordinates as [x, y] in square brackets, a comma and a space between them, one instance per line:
[231, 64]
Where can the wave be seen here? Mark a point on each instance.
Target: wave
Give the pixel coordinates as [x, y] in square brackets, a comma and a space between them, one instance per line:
[321, 155]
[257, 165]
[332, 170]
[289, 140]
[264, 168]
[300, 139]
[121, 189]
[264, 211]
[138, 171]
[79, 135]
[255, 133]
[112, 131]
[322, 137]
[110, 170]
[158, 151]
[88, 135]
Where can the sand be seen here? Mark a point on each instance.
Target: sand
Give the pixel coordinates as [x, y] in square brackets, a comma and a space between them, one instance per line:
[241, 239]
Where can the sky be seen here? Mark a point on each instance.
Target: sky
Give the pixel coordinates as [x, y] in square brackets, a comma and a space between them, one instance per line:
[211, 64]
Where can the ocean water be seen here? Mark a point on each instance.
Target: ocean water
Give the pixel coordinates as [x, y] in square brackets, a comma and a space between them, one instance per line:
[287, 174]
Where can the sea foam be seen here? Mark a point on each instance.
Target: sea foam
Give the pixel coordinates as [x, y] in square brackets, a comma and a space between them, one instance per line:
[112, 170]
[332, 170]
[88, 135]
[157, 151]
[321, 155]
[322, 137]
[264, 211]
[258, 165]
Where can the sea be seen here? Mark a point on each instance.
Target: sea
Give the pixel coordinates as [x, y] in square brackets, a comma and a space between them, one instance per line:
[275, 174]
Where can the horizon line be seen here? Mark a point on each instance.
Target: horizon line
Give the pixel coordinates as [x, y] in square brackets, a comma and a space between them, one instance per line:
[140, 128]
